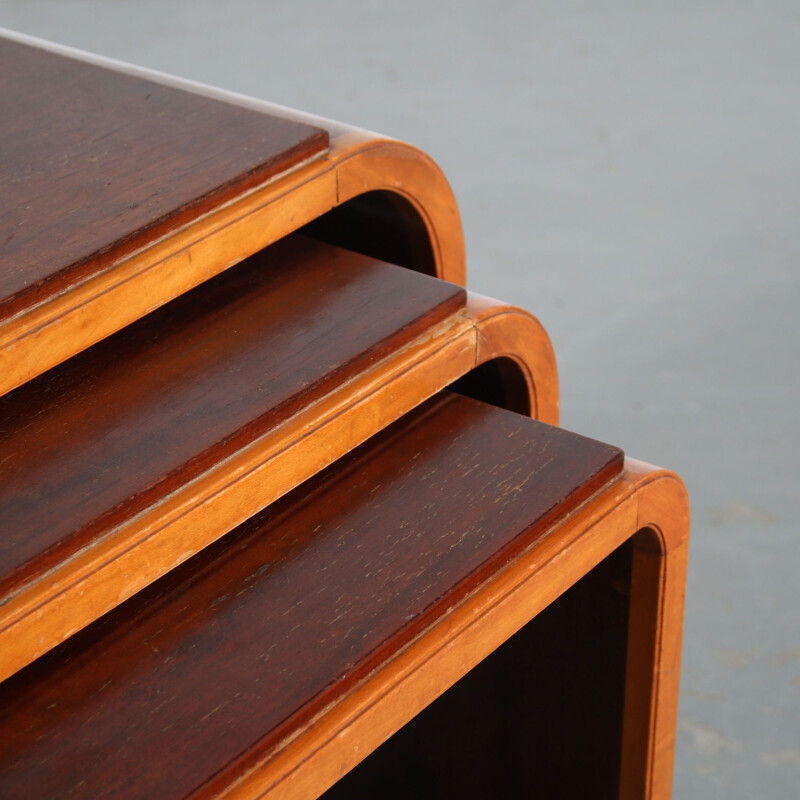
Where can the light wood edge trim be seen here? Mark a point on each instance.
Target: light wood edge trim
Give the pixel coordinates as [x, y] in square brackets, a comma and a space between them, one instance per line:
[511, 332]
[356, 162]
[406, 171]
[346, 732]
[654, 631]
[43, 613]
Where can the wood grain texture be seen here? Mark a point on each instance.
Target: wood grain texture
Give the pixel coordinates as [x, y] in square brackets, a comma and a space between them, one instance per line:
[134, 284]
[42, 613]
[97, 163]
[105, 435]
[213, 666]
[331, 745]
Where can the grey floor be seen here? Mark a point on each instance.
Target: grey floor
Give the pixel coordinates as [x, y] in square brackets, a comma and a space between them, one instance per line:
[631, 173]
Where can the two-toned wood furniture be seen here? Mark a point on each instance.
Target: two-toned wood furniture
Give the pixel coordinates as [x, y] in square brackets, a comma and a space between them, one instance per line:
[283, 512]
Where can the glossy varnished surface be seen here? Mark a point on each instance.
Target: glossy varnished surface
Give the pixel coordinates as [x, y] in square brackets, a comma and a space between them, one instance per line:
[182, 687]
[95, 163]
[102, 436]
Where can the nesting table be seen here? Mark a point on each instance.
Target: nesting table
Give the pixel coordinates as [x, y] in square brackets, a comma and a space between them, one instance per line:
[285, 510]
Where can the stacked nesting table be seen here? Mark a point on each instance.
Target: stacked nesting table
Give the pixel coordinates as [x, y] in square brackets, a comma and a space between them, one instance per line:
[283, 509]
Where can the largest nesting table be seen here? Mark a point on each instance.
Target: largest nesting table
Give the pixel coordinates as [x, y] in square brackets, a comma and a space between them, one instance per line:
[283, 508]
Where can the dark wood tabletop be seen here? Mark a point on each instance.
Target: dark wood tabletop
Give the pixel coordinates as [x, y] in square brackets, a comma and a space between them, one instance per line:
[95, 163]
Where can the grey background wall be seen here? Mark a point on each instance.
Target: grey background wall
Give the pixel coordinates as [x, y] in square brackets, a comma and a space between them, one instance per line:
[631, 173]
